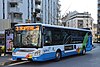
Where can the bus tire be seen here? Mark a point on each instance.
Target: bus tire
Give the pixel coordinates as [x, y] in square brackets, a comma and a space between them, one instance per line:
[18, 59]
[83, 52]
[30, 60]
[58, 56]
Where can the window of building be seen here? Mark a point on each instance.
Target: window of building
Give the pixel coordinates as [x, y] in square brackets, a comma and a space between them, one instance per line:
[16, 15]
[80, 23]
[13, 4]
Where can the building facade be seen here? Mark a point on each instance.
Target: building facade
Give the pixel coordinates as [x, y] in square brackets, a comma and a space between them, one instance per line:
[11, 10]
[98, 22]
[50, 11]
[4, 24]
[94, 32]
[78, 20]
[43, 11]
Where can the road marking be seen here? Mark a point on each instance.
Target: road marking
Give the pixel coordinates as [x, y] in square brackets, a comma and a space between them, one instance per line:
[17, 63]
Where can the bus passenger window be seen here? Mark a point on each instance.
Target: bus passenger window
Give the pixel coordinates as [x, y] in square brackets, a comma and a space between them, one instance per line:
[47, 38]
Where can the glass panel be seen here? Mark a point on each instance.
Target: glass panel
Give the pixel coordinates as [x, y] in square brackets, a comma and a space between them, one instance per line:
[30, 37]
[27, 36]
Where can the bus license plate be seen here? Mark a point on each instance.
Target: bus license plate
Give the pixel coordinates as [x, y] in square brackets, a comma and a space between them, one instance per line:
[24, 59]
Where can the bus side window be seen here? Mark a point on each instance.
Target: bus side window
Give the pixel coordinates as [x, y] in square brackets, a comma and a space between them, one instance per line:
[47, 38]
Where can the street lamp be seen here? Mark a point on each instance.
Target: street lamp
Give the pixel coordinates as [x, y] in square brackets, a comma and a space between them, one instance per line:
[34, 15]
[3, 9]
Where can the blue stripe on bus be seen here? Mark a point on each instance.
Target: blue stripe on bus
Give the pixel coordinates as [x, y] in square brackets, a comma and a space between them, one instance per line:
[68, 53]
[44, 57]
[16, 57]
[47, 56]
[89, 44]
[50, 56]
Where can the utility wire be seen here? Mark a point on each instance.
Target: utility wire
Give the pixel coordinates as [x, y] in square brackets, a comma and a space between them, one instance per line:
[67, 9]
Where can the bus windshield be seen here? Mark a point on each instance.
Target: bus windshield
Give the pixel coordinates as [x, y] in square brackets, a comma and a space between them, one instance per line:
[27, 37]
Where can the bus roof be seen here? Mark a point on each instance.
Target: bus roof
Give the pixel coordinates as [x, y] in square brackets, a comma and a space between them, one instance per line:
[54, 26]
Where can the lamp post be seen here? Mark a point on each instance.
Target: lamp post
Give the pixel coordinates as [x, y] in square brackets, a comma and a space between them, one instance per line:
[35, 14]
[28, 9]
[31, 11]
[3, 9]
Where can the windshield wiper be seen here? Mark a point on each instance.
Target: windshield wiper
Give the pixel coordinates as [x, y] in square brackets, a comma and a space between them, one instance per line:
[17, 46]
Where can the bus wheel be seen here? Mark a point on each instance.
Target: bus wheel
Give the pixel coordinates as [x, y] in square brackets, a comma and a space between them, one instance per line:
[18, 59]
[30, 60]
[58, 55]
[83, 52]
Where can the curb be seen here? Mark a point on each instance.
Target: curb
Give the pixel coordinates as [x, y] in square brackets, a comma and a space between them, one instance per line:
[7, 63]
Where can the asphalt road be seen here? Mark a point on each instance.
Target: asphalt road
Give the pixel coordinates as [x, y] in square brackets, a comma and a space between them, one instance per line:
[91, 59]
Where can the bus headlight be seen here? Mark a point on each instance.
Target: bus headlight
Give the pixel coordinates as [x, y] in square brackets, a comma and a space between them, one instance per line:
[37, 53]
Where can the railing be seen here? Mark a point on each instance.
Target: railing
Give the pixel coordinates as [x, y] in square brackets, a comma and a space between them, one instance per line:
[14, 1]
[37, 1]
[17, 20]
[98, 2]
[15, 9]
[37, 7]
[38, 15]
[99, 8]
[99, 15]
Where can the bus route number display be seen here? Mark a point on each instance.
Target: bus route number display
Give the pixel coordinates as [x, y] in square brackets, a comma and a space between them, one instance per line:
[21, 28]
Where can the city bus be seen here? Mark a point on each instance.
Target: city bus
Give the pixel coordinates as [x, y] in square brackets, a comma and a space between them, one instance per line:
[42, 42]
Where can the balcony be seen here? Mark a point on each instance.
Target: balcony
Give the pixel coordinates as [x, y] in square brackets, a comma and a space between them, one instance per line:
[98, 2]
[38, 2]
[99, 22]
[38, 15]
[98, 8]
[17, 20]
[14, 1]
[37, 8]
[14, 9]
[15, 17]
[98, 15]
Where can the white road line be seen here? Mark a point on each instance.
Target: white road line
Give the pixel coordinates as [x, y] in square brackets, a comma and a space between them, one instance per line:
[17, 63]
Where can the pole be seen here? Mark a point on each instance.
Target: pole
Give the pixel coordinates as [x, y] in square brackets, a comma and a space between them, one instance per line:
[35, 14]
[12, 19]
[31, 11]
[3, 9]
[28, 9]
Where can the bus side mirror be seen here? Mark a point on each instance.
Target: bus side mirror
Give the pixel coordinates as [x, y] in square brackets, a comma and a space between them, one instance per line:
[44, 34]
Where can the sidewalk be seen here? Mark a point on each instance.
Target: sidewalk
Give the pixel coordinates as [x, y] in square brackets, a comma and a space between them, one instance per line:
[5, 59]
[96, 44]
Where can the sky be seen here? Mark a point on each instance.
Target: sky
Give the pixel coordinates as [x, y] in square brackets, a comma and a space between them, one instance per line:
[80, 6]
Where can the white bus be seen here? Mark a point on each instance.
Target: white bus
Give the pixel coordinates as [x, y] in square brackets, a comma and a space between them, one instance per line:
[41, 42]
